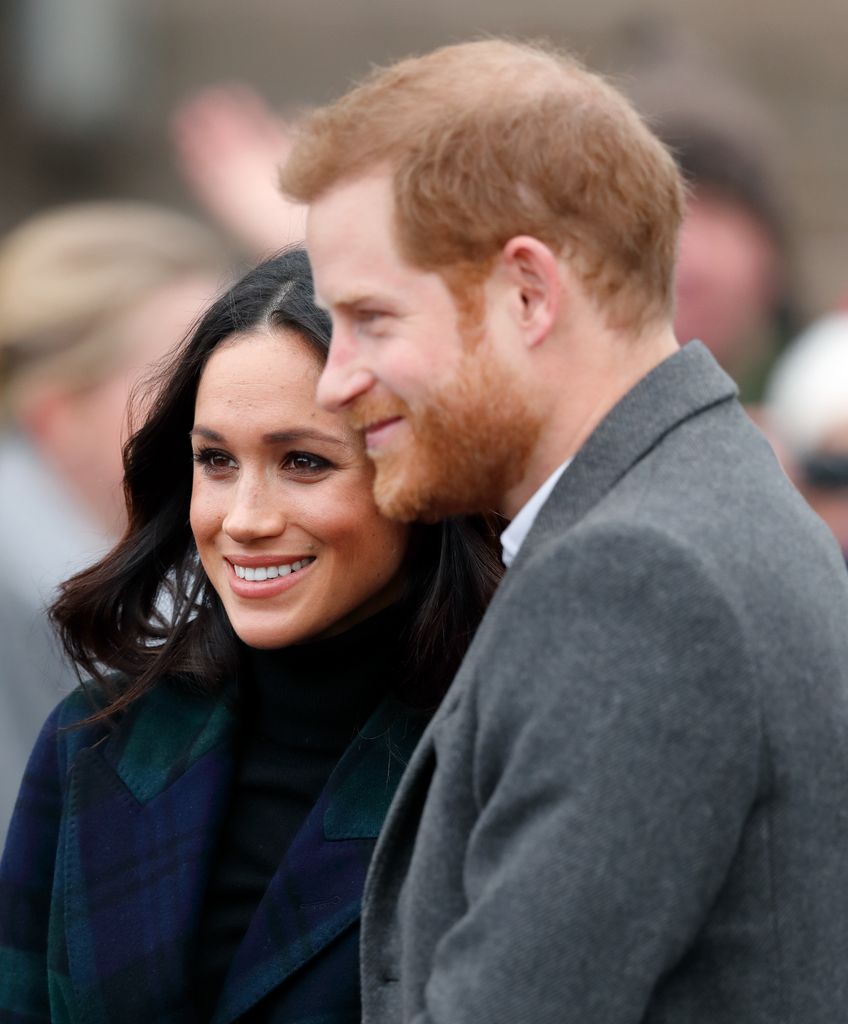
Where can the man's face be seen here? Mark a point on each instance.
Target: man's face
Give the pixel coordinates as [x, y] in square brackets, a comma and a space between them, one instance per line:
[443, 418]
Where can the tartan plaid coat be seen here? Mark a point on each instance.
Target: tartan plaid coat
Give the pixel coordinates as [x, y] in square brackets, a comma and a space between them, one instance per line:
[106, 863]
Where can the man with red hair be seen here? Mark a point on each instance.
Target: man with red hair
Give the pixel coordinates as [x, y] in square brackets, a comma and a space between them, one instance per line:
[630, 805]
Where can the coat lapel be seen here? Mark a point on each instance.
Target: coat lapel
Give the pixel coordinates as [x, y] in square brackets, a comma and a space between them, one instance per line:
[144, 810]
[316, 893]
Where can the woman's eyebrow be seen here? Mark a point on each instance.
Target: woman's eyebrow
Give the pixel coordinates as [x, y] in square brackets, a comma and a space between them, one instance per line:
[211, 435]
[302, 434]
[294, 436]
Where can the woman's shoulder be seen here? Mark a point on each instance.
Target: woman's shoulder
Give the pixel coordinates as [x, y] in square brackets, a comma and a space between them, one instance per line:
[69, 728]
[63, 735]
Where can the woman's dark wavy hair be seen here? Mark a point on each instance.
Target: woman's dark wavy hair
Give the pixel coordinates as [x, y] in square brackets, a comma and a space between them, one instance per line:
[147, 610]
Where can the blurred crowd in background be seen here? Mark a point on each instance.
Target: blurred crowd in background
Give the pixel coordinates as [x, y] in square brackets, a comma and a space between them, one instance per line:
[99, 279]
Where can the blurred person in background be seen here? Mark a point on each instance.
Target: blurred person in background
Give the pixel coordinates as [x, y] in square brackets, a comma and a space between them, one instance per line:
[90, 295]
[733, 286]
[731, 268]
[228, 144]
[806, 415]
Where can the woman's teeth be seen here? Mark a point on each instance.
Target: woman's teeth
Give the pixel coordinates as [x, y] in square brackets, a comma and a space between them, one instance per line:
[269, 572]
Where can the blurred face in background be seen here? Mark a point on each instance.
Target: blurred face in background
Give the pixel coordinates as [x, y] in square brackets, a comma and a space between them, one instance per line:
[727, 279]
[81, 429]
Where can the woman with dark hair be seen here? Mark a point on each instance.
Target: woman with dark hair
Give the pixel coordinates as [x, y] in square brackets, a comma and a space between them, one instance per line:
[262, 650]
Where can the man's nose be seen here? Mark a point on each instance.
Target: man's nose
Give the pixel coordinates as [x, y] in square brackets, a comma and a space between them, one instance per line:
[255, 512]
[344, 376]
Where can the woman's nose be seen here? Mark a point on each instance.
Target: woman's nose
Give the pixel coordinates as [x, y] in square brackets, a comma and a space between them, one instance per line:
[255, 512]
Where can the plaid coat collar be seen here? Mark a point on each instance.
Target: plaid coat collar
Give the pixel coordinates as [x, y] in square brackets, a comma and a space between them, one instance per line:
[145, 809]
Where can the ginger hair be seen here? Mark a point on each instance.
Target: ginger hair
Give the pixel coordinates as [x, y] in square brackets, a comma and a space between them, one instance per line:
[492, 139]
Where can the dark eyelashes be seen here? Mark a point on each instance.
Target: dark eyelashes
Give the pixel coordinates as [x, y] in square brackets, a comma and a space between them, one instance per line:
[316, 463]
[300, 462]
[205, 456]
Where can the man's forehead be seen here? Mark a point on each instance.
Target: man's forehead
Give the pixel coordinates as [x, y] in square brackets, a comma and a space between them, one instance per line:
[351, 243]
[351, 204]
[351, 274]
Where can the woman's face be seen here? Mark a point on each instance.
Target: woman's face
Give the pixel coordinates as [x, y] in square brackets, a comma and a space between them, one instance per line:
[281, 507]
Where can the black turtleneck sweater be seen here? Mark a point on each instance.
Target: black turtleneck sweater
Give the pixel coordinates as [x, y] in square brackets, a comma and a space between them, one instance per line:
[299, 709]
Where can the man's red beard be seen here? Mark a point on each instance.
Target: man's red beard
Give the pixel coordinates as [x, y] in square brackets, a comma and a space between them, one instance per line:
[468, 445]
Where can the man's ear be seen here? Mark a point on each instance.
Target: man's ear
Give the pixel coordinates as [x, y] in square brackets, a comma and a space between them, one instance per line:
[534, 271]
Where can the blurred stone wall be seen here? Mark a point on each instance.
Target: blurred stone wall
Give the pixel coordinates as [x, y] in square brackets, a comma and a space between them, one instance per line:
[791, 54]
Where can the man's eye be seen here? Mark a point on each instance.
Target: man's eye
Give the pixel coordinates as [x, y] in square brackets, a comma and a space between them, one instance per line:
[368, 319]
[305, 462]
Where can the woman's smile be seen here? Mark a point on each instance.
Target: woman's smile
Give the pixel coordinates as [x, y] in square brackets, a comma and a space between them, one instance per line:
[260, 580]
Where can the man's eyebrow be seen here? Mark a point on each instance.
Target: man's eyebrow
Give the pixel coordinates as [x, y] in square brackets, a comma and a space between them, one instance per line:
[352, 300]
[276, 436]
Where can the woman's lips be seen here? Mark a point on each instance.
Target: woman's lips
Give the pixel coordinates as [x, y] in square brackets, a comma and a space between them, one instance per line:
[278, 576]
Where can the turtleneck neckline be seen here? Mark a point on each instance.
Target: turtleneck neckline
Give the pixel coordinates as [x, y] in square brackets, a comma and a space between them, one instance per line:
[317, 695]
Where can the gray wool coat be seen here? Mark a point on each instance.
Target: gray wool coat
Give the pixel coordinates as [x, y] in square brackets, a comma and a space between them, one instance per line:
[632, 806]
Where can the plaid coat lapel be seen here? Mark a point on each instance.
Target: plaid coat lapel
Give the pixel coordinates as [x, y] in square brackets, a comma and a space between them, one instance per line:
[315, 895]
[144, 810]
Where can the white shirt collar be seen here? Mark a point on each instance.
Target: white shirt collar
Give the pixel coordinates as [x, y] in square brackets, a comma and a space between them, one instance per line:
[513, 536]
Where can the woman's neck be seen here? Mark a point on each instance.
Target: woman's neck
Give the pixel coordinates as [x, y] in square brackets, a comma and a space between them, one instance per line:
[320, 693]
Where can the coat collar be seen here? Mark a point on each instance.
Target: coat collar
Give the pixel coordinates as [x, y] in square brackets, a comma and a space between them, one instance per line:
[680, 387]
[168, 733]
[145, 810]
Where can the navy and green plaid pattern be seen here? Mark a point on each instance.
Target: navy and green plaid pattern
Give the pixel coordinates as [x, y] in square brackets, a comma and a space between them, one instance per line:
[107, 858]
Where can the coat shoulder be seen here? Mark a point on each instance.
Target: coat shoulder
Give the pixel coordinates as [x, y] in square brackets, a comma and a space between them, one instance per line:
[607, 556]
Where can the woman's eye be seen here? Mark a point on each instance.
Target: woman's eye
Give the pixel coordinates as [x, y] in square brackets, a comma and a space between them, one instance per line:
[304, 462]
[214, 459]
